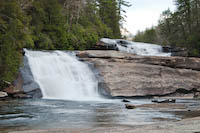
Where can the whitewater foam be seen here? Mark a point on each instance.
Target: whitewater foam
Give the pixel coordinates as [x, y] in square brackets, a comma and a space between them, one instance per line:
[61, 75]
[144, 49]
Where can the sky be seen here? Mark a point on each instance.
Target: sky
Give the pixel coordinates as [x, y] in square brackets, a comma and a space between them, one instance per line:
[145, 13]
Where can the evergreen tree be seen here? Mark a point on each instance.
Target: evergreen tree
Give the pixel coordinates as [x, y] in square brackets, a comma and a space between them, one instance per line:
[148, 36]
[48, 25]
[109, 15]
[13, 37]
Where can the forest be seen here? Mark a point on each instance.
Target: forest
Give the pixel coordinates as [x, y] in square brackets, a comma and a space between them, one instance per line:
[54, 24]
[180, 28]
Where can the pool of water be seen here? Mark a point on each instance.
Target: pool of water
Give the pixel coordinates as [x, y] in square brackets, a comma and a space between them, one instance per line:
[33, 114]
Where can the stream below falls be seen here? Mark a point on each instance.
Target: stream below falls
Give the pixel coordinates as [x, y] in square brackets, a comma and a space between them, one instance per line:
[35, 114]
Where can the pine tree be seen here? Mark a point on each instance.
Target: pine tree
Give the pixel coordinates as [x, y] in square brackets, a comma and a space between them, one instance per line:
[13, 37]
[110, 16]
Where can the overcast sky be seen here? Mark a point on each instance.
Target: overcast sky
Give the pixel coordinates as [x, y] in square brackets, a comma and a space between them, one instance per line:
[145, 13]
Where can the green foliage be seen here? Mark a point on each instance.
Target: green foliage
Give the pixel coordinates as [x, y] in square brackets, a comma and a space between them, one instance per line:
[13, 37]
[110, 12]
[148, 36]
[53, 24]
[182, 28]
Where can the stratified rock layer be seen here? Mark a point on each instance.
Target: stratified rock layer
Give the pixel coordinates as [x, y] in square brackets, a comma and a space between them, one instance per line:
[130, 75]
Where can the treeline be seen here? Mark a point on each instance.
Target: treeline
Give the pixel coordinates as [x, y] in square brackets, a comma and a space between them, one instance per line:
[177, 29]
[150, 35]
[53, 24]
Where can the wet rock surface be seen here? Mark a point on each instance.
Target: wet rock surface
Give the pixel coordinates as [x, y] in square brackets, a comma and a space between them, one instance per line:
[138, 76]
[130, 106]
[164, 101]
[191, 125]
[176, 51]
[24, 86]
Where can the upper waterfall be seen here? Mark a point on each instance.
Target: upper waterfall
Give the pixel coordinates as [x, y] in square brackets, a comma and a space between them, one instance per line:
[61, 75]
[144, 49]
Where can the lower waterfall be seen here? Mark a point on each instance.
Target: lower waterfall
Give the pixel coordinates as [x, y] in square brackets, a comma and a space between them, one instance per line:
[61, 75]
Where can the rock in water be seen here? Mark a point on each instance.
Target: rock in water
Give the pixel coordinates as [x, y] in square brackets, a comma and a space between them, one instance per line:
[130, 106]
[164, 101]
[21, 96]
[125, 101]
[3, 94]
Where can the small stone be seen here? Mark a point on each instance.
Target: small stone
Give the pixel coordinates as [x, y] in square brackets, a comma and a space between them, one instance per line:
[164, 101]
[21, 96]
[129, 106]
[154, 101]
[125, 101]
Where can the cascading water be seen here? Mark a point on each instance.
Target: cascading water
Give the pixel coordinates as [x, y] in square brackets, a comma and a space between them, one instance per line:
[144, 49]
[61, 76]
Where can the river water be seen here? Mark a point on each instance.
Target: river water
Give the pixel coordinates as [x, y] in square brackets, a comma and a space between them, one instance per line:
[16, 115]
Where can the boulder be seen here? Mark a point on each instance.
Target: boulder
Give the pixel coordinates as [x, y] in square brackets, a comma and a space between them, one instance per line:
[176, 51]
[130, 106]
[3, 94]
[24, 86]
[130, 75]
[27, 83]
[101, 45]
[4, 84]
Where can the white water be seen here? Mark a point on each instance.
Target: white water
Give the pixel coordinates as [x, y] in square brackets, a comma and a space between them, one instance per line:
[144, 49]
[61, 76]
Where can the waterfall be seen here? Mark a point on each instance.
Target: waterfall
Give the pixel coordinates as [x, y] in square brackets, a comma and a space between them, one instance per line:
[61, 75]
[144, 49]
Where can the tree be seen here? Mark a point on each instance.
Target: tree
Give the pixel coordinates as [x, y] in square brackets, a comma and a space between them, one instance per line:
[181, 28]
[147, 36]
[48, 25]
[13, 37]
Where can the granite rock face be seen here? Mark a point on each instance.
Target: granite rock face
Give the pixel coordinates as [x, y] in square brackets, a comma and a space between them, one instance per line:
[130, 75]
[24, 86]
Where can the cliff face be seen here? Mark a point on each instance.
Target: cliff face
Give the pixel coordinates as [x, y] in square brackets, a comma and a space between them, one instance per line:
[130, 75]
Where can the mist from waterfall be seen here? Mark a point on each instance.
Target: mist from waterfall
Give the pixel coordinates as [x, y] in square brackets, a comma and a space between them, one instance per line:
[61, 75]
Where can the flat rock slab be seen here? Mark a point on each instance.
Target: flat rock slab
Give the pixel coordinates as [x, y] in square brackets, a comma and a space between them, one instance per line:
[132, 76]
